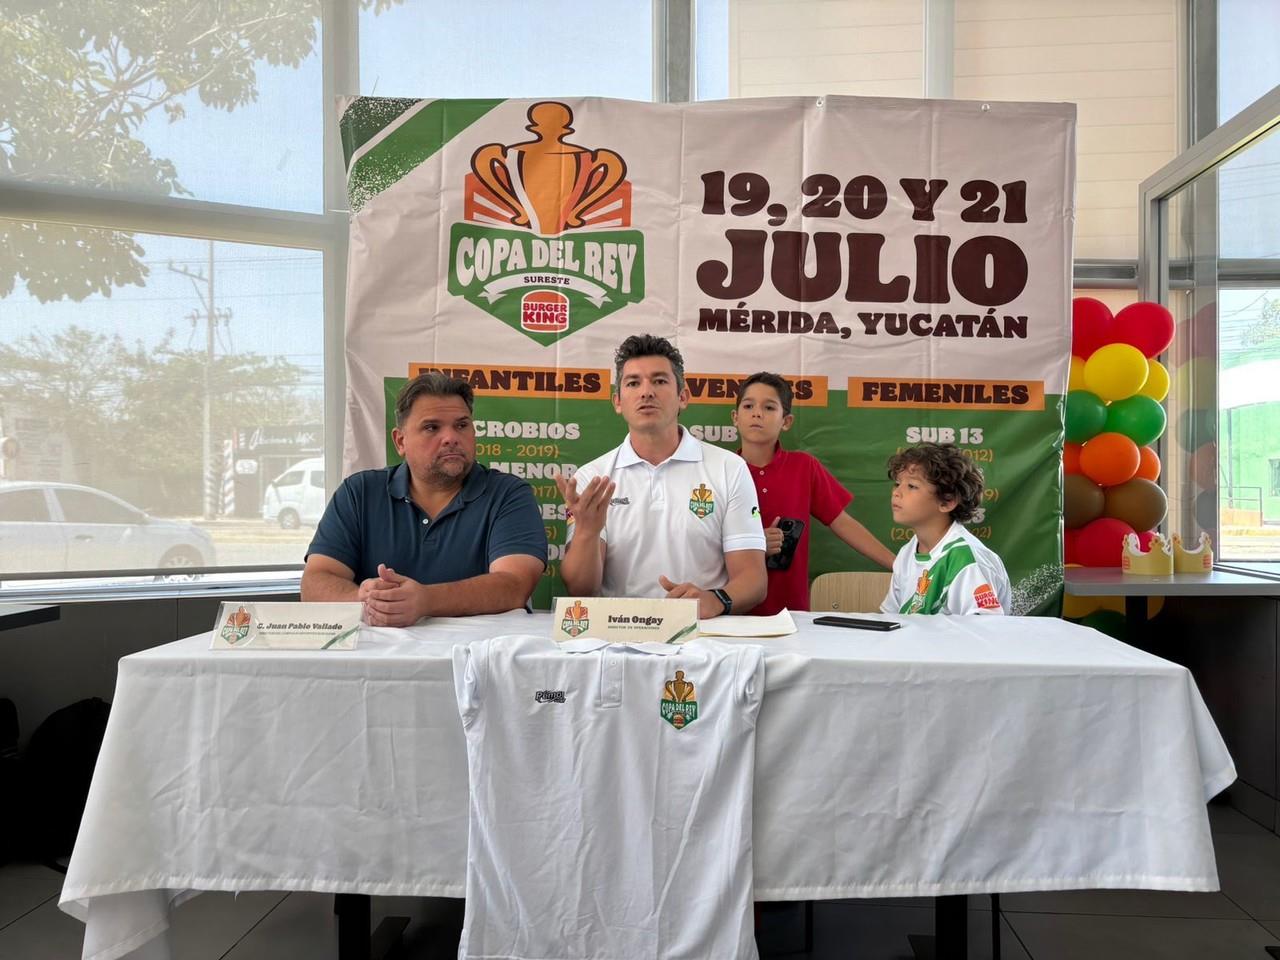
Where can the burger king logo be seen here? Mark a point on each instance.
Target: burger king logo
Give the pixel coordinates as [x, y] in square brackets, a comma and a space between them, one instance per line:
[544, 311]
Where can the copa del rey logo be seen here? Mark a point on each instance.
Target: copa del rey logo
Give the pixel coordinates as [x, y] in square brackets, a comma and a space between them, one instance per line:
[542, 245]
[575, 619]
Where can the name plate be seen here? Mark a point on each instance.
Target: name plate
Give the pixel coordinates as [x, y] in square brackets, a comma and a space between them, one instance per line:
[624, 620]
[286, 626]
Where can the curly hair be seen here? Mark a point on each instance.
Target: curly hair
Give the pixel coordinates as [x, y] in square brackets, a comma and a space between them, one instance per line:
[953, 475]
[647, 345]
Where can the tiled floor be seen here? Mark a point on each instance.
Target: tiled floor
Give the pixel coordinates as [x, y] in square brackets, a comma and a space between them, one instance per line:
[1238, 922]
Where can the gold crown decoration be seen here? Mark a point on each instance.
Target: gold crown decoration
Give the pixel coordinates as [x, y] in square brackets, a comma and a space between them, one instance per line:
[1199, 560]
[1156, 562]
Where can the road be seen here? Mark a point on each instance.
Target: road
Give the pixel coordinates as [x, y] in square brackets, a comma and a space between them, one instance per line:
[256, 542]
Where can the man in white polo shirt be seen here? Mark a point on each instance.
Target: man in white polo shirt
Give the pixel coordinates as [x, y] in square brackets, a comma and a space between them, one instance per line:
[663, 514]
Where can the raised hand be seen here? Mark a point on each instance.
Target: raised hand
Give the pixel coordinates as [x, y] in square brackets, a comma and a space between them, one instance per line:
[590, 507]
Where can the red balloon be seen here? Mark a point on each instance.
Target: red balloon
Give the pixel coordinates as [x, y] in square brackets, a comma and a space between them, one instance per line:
[1070, 544]
[1102, 541]
[1145, 538]
[1090, 326]
[1203, 330]
[1147, 326]
[1070, 457]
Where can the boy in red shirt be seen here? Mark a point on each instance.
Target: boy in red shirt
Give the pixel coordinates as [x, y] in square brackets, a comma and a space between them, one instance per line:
[792, 484]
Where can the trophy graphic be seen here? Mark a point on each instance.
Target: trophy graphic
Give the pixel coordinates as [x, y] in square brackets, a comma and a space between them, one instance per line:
[548, 184]
[679, 705]
[702, 501]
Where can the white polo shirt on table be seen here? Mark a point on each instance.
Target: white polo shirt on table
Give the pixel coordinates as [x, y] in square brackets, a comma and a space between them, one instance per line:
[677, 519]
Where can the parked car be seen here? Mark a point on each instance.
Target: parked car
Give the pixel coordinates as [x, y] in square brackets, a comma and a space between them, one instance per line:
[56, 527]
[296, 496]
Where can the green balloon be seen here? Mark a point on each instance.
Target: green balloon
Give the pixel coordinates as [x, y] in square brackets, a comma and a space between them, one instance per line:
[1086, 415]
[1139, 418]
[1196, 427]
[1108, 622]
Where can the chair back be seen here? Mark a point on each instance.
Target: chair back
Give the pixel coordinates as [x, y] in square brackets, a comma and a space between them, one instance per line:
[849, 592]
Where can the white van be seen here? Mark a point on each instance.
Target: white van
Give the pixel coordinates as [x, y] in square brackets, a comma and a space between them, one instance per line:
[296, 496]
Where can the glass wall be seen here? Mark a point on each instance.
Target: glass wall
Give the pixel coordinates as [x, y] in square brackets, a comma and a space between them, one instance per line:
[163, 380]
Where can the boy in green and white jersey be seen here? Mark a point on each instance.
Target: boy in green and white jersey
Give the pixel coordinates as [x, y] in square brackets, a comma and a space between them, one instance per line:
[943, 568]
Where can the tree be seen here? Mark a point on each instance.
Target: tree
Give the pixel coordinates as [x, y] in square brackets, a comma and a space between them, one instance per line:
[77, 80]
[72, 379]
[139, 408]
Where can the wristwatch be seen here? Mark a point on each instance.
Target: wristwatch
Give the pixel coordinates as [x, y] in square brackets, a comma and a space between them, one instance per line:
[723, 596]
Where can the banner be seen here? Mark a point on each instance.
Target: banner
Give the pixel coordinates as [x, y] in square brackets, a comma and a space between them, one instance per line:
[906, 264]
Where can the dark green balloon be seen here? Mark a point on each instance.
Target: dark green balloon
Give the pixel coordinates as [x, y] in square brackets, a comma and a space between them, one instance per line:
[1108, 622]
[1196, 427]
[1139, 418]
[1086, 415]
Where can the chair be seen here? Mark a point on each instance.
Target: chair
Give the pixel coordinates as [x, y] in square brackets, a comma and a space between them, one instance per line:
[849, 592]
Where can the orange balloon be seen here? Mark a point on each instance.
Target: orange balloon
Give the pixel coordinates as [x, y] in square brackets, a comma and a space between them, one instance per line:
[1070, 457]
[1109, 459]
[1148, 464]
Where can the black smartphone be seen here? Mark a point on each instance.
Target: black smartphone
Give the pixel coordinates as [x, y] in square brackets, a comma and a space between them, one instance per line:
[791, 531]
[854, 623]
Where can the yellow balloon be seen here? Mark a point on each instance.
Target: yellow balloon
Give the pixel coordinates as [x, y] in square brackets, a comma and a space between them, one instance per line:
[1115, 371]
[1197, 383]
[1157, 385]
[1074, 608]
[1076, 379]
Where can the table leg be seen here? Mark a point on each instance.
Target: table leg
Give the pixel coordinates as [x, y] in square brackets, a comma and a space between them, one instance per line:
[1135, 617]
[995, 926]
[355, 919]
[951, 931]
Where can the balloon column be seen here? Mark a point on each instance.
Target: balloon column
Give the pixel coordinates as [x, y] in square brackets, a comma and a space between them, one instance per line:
[1113, 416]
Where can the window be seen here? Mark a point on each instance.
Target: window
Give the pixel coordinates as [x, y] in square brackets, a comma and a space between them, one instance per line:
[290, 479]
[1218, 267]
[507, 48]
[23, 506]
[166, 349]
[1248, 56]
[185, 100]
[187, 308]
[84, 506]
[160, 392]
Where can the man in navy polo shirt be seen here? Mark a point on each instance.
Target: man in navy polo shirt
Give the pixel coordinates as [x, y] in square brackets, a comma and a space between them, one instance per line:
[436, 536]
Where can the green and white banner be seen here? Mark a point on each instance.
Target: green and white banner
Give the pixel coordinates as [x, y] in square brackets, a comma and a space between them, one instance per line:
[906, 264]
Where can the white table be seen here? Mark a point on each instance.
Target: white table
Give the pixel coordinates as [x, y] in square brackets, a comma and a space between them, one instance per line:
[956, 755]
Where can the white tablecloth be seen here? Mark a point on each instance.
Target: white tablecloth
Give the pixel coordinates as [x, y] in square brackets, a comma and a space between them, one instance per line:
[956, 755]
